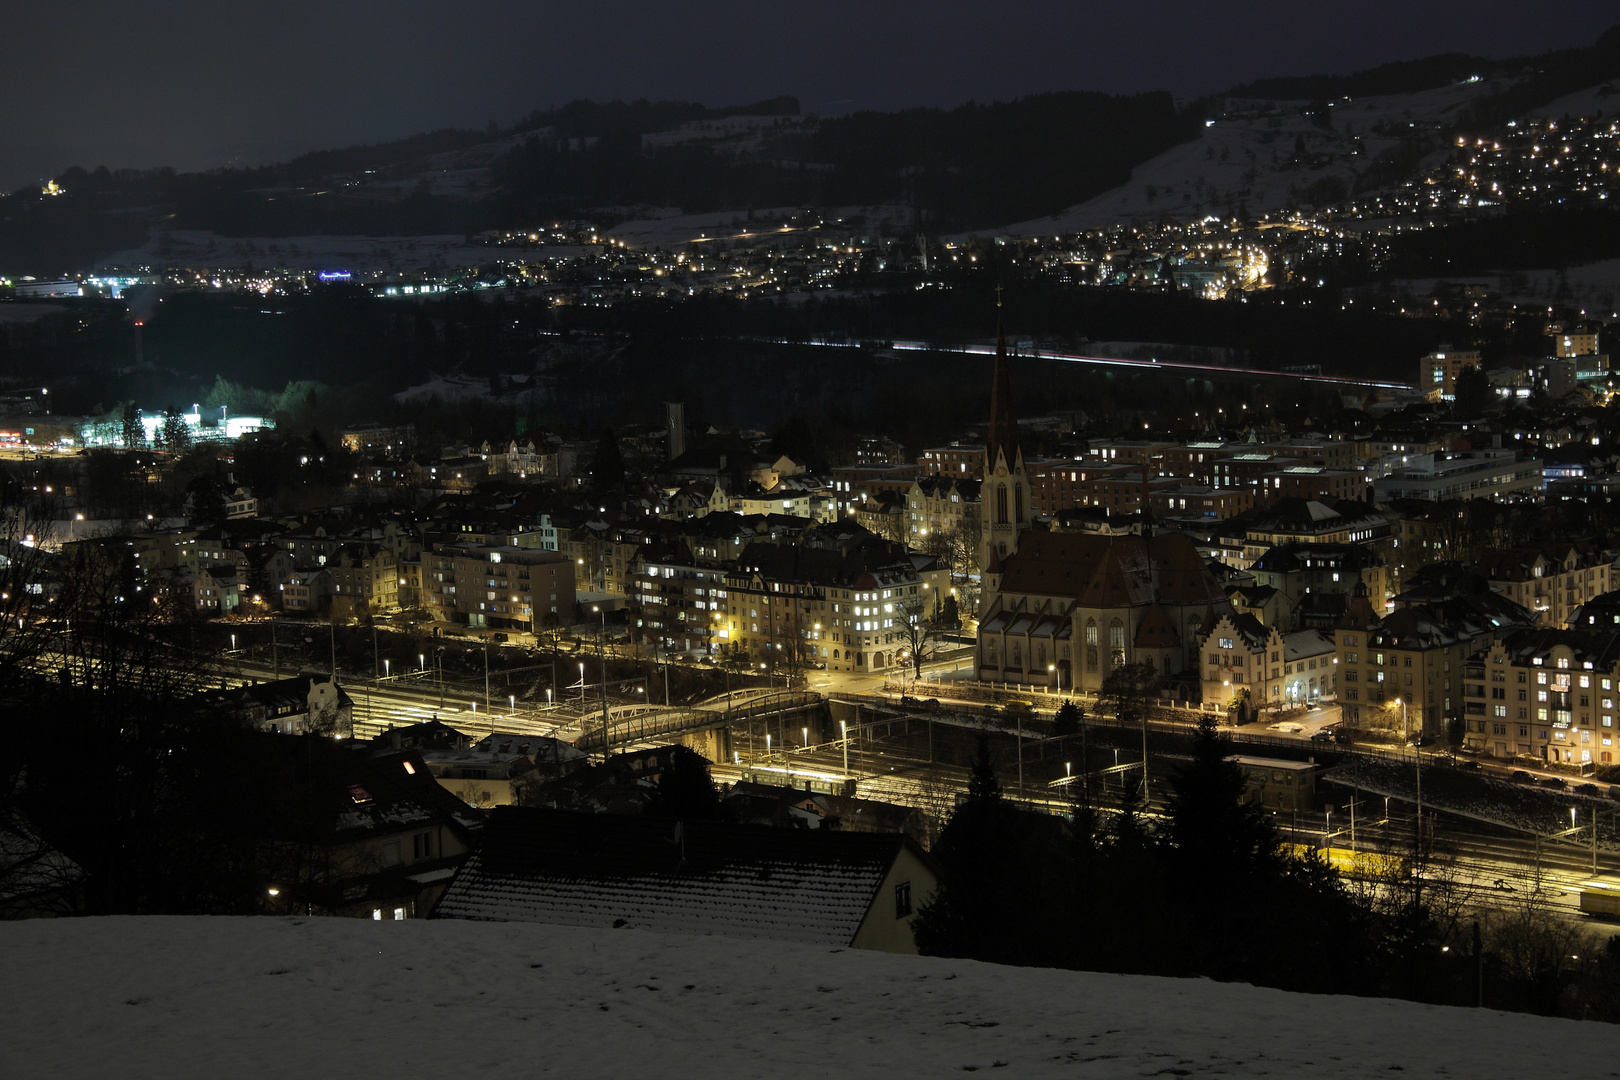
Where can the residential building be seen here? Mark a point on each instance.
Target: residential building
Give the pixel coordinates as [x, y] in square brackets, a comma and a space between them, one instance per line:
[295, 706]
[959, 460]
[789, 606]
[1242, 659]
[1438, 371]
[1297, 570]
[497, 587]
[1552, 579]
[1547, 695]
[941, 506]
[1405, 672]
[1196, 500]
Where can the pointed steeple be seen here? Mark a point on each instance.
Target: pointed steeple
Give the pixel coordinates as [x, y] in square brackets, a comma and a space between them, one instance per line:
[1003, 434]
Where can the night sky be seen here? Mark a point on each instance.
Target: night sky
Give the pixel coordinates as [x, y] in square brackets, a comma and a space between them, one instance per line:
[201, 84]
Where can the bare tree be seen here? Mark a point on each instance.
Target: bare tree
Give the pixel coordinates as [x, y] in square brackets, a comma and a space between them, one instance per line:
[915, 627]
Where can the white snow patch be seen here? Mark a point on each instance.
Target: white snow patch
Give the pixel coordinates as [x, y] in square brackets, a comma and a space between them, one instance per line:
[1593, 101]
[1244, 160]
[182, 997]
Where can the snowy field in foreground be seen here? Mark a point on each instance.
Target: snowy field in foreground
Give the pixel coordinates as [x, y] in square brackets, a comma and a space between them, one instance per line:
[327, 997]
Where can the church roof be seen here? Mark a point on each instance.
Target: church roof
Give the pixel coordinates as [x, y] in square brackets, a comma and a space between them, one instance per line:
[1156, 631]
[1111, 571]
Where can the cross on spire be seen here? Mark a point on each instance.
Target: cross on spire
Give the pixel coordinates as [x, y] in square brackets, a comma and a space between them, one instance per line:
[998, 296]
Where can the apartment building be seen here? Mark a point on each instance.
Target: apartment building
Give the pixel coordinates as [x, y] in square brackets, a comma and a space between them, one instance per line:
[1545, 694]
[497, 587]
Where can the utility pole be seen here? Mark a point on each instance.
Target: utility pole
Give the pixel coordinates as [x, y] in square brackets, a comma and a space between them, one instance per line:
[486, 678]
[332, 626]
[601, 649]
[1144, 760]
[376, 664]
[275, 653]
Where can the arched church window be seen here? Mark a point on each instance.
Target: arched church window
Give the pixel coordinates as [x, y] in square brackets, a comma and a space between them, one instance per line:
[1001, 504]
[1017, 657]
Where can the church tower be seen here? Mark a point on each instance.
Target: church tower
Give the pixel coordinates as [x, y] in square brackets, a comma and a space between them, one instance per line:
[1004, 500]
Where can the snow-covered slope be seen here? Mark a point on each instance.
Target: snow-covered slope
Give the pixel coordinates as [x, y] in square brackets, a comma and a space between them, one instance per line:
[179, 998]
[1249, 158]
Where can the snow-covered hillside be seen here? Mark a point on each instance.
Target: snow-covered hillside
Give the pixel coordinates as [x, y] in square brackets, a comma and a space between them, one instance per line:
[180, 997]
[1249, 158]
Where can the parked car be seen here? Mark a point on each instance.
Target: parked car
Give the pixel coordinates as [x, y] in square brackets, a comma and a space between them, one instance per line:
[1521, 777]
[1474, 765]
[1554, 782]
[1589, 790]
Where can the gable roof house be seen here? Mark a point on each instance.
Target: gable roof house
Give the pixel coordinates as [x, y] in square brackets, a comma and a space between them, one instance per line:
[829, 888]
[1243, 655]
[292, 706]
[353, 834]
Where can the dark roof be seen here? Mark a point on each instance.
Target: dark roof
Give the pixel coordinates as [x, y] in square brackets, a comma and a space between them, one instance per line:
[331, 791]
[607, 870]
[1111, 571]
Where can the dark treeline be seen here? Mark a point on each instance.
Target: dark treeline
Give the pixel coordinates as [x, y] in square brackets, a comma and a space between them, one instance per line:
[1530, 80]
[955, 166]
[1209, 890]
[1518, 240]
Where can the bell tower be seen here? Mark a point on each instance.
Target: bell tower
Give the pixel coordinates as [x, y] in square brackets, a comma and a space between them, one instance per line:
[1004, 501]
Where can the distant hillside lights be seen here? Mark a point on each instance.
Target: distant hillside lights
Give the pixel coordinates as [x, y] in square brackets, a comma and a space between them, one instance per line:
[109, 431]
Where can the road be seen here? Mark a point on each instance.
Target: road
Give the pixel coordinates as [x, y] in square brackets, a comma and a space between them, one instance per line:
[1172, 367]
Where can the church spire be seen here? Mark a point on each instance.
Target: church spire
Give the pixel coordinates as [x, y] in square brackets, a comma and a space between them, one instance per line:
[1003, 434]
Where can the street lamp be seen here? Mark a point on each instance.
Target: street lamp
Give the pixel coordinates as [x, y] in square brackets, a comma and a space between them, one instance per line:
[843, 731]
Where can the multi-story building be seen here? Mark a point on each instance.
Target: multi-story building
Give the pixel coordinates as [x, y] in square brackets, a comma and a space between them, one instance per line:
[386, 440]
[1312, 482]
[1545, 694]
[1196, 461]
[855, 484]
[941, 505]
[1405, 672]
[498, 587]
[1438, 370]
[1149, 452]
[1200, 502]
[962, 461]
[1297, 570]
[1467, 474]
[796, 605]
[679, 602]
[1056, 486]
[1551, 579]
[1575, 340]
[1242, 657]
[364, 580]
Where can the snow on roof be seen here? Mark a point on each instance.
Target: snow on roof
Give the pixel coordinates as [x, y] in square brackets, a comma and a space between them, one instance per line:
[690, 877]
[353, 998]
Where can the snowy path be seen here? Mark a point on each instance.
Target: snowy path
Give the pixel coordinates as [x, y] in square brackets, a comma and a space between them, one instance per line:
[317, 997]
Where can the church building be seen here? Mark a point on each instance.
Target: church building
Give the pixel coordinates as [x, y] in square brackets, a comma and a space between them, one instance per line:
[1060, 610]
